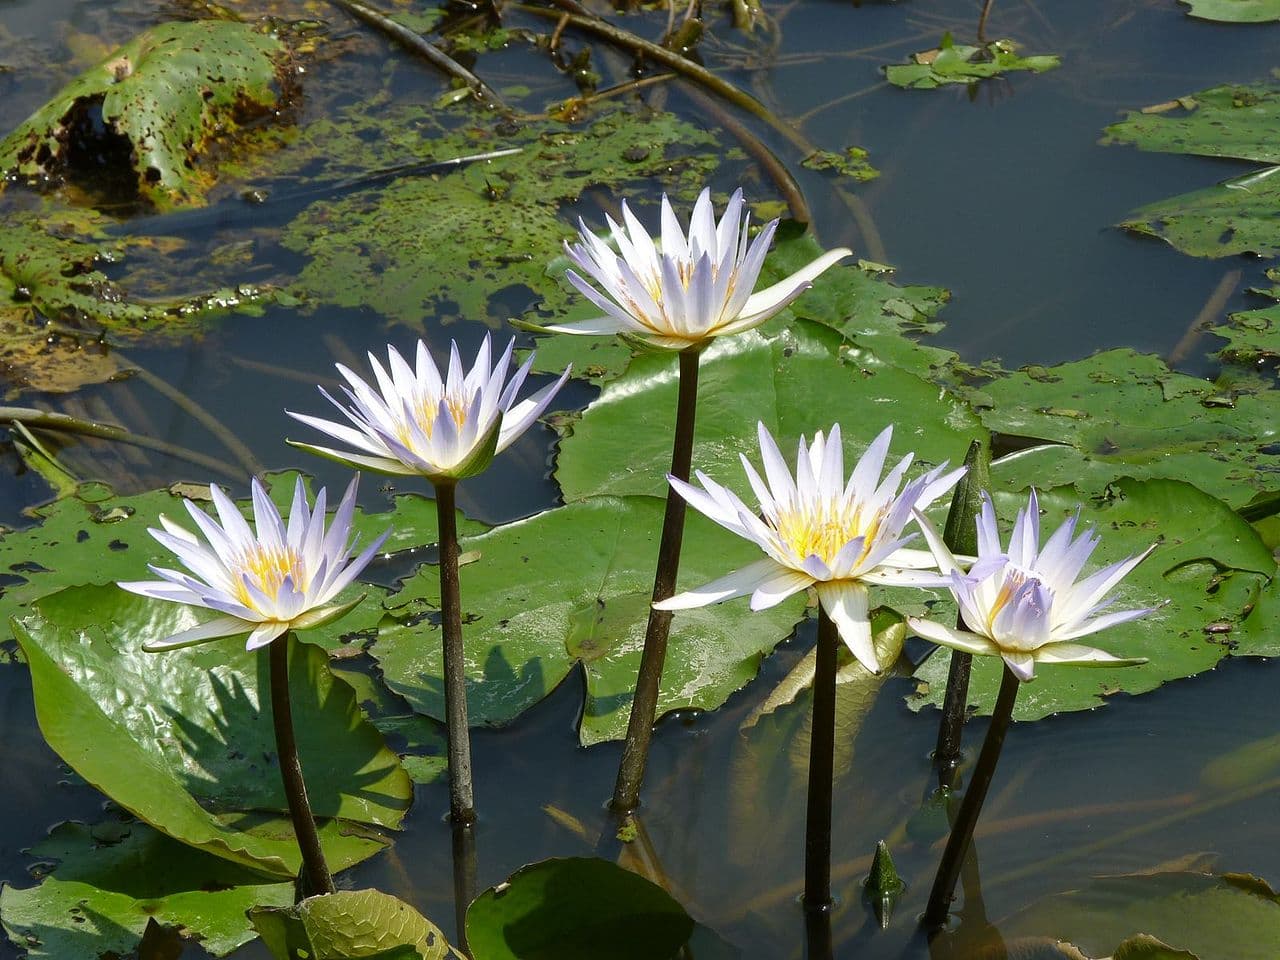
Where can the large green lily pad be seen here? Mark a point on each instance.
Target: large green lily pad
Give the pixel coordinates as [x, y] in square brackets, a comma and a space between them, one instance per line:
[953, 62]
[169, 92]
[1228, 917]
[1122, 413]
[796, 382]
[577, 908]
[504, 219]
[1209, 566]
[113, 878]
[1235, 11]
[349, 925]
[181, 739]
[571, 586]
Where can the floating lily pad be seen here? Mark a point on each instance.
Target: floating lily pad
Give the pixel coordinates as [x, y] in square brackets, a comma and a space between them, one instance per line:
[576, 909]
[953, 62]
[1235, 11]
[504, 219]
[1209, 567]
[584, 576]
[853, 162]
[181, 739]
[796, 382]
[1227, 917]
[1122, 413]
[112, 878]
[168, 93]
[349, 925]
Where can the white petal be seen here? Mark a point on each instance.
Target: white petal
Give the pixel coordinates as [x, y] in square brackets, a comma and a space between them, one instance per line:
[1078, 653]
[739, 583]
[777, 296]
[961, 640]
[264, 633]
[212, 630]
[846, 604]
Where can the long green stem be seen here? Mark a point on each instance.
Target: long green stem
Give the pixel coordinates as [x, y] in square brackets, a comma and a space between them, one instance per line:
[822, 743]
[644, 708]
[315, 877]
[461, 796]
[944, 883]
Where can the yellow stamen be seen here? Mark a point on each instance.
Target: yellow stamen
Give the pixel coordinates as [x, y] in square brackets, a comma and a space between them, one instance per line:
[823, 529]
[266, 568]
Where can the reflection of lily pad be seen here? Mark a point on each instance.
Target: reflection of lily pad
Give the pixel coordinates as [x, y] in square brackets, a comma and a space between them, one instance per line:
[953, 62]
[167, 93]
[585, 576]
[114, 877]
[1209, 566]
[503, 220]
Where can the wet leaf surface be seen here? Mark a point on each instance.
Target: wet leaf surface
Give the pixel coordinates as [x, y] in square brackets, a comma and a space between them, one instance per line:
[953, 62]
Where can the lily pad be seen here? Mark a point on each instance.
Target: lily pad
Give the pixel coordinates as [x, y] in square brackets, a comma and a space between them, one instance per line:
[167, 94]
[1209, 567]
[504, 219]
[1234, 11]
[350, 925]
[1122, 413]
[112, 878]
[953, 62]
[181, 739]
[577, 908]
[853, 162]
[585, 577]
[1227, 917]
[796, 382]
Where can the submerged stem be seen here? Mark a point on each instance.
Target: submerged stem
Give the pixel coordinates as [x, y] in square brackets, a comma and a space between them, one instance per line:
[464, 878]
[315, 877]
[822, 742]
[944, 883]
[461, 796]
[644, 708]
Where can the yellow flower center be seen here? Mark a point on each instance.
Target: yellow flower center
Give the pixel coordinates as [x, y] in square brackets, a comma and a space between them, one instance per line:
[1014, 581]
[823, 529]
[266, 568]
[427, 412]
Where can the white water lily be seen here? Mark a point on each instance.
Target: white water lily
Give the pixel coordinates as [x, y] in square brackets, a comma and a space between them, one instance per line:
[264, 582]
[1024, 604]
[687, 288]
[817, 530]
[417, 422]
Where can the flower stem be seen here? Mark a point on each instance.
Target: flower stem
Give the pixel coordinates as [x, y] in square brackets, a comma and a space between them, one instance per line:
[822, 742]
[464, 878]
[644, 708]
[315, 877]
[944, 883]
[461, 796]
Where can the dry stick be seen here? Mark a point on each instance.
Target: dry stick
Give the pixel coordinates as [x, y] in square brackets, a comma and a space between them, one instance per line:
[315, 878]
[422, 47]
[644, 708]
[46, 420]
[944, 884]
[962, 537]
[1212, 307]
[461, 795]
[822, 741]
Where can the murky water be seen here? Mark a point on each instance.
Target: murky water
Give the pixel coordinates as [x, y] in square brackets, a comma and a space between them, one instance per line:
[1006, 199]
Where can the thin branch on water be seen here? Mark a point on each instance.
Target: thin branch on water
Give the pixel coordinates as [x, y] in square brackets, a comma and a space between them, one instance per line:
[1211, 310]
[64, 423]
[422, 47]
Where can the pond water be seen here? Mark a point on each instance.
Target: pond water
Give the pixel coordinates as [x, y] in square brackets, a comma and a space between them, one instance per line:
[1004, 197]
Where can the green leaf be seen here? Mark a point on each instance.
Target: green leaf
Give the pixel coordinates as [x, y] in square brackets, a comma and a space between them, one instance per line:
[1225, 220]
[1209, 565]
[1235, 11]
[576, 909]
[170, 91]
[796, 382]
[958, 63]
[1234, 120]
[1123, 413]
[1144, 947]
[853, 162]
[114, 877]
[350, 924]
[585, 576]
[1228, 917]
[181, 740]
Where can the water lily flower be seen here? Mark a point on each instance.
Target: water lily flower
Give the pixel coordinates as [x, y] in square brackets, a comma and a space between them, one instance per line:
[417, 422]
[688, 288]
[1024, 604]
[818, 530]
[263, 582]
